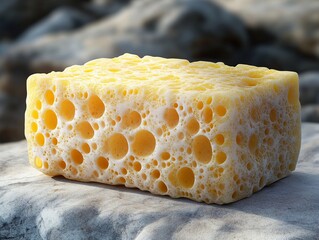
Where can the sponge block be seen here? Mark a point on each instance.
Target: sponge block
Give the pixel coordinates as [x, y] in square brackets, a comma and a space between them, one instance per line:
[200, 130]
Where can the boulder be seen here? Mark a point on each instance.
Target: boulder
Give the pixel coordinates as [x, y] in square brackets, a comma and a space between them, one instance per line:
[309, 87]
[17, 15]
[180, 28]
[280, 58]
[294, 23]
[102, 8]
[4, 47]
[310, 113]
[63, 19]
[35, 206]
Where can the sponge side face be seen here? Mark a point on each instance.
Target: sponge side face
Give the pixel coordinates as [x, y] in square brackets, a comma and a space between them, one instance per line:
[201, 130]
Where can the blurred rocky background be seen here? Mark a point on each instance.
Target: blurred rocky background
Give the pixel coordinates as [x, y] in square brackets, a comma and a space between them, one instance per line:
[42, 36]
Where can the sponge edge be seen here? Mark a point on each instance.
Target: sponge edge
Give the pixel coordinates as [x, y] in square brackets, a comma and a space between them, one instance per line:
[200, 130]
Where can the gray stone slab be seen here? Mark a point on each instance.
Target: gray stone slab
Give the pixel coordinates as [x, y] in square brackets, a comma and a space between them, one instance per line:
[35, 206]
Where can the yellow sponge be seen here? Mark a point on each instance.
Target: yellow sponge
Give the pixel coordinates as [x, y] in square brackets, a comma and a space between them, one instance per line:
[200, 130]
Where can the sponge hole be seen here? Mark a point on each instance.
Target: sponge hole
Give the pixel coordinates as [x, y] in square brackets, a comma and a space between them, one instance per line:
[132, 119]
[34, 127]
[155, 174]
[254, 113]
[38, 162]
[144, 143]
[221, 157]
[76, 156]
[85, 130]
[165, 155]
[102, 163]
[239, 139]
[117, 146]
[50, 119]
[186, 177]
[96, 106]
[39, 138]
[35, 114]
[137, 166]
[171, 117]
[62, 164]
[273, 115]
[219, 139]
[38, 104]
[221, 110]
[67, 110]
[192, 126]
[200, 105]
[253, 142]
[49, 97]
[207, 115]
[202, 149]
[86, 148]
[162, 187]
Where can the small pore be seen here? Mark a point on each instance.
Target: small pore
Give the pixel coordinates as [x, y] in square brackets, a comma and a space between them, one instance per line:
[240, 139]
[253, 142]
[34, 127]
[38, 104]
[200, 105]
[38, 162]
[165, 155]
[155, 174]
[273, 115]
[54, 141]
[35, 114]
[249, 166]
[137, 166]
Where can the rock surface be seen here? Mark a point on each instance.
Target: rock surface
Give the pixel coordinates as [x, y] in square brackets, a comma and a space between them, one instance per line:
[294, 23]
[61, 20]
[310, 113]
[35, 206]
[16, 15]
[309, 87]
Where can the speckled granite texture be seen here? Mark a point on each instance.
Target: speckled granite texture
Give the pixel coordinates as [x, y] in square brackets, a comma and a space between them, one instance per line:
[35, 206]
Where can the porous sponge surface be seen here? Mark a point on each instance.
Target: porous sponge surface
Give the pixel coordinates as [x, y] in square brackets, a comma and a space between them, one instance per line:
[200, 130]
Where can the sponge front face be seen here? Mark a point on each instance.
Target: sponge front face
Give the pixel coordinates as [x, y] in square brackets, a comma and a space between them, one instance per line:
[200, 130]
